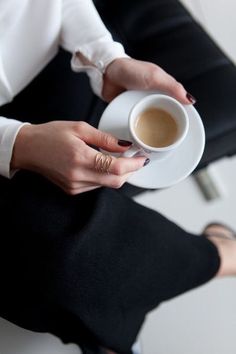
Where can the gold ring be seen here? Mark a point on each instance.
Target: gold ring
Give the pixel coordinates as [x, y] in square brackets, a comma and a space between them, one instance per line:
[102, 163]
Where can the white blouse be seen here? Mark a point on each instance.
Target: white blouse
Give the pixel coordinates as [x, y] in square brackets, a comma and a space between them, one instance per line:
[31, 32]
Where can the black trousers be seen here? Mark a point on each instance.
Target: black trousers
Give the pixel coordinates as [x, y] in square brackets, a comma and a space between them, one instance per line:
[86, 268]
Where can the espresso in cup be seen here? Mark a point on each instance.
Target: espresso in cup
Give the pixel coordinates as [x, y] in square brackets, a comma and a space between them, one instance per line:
[156, 127]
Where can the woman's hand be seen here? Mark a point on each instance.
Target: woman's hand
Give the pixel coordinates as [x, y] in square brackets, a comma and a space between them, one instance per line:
[130, 74]
[59, 151]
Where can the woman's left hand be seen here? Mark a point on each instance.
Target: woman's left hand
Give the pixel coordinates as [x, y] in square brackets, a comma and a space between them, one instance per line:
[130, 74]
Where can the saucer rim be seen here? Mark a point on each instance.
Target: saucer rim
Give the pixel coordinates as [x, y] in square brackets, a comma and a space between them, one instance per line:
[133, 180]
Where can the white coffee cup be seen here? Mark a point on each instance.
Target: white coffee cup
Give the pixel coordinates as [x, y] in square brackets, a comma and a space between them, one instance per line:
[167, 104]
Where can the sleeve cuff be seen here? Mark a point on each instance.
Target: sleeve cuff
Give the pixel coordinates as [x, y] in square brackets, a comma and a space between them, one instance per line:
[9, 129]
[99, 54]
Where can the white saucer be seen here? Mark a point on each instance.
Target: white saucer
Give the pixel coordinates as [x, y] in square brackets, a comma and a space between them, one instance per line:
[158, 173]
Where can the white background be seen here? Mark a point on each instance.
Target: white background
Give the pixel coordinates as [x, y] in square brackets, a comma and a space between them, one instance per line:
[203, 320]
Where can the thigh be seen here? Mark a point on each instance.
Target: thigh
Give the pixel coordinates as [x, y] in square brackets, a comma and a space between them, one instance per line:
[98, 260]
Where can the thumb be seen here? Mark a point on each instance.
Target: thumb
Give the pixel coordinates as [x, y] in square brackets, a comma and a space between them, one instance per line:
[106, 141]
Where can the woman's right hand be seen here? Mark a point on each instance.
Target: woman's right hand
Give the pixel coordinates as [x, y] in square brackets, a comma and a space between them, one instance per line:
[62, 152]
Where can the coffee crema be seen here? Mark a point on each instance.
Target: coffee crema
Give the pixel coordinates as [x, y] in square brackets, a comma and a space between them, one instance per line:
[156, 127]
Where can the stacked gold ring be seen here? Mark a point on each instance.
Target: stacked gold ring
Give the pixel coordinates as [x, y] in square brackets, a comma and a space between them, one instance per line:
[102, 163]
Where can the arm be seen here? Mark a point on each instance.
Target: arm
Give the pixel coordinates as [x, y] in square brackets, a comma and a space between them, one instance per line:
[110, 70]
[84, 34]
[61, 151]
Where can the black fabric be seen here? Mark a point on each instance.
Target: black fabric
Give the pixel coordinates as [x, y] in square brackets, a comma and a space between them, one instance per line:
[87, 268]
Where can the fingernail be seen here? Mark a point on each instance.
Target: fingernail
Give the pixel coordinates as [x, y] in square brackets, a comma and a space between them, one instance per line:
[124, 143]
[146, 162]
[191, 98]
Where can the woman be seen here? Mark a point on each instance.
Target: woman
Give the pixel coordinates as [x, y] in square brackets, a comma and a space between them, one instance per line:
[79, 259]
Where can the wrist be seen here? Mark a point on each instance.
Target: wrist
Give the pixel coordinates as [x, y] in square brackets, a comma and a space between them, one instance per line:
[116, 63]
[22, 147]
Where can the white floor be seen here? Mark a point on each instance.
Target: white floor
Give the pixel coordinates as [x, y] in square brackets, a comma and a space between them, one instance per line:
[203, 320]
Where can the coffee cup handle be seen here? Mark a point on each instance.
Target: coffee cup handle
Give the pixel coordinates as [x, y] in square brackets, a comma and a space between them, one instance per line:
[134, 150]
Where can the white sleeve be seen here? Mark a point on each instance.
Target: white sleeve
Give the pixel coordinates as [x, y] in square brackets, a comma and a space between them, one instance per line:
[84, 32]
[9, 129]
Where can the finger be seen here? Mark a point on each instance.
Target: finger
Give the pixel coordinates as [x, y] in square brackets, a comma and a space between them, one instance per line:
[107, 180]
[75, 187]
[114, 165]
[98, 164]
[113, 174]
[77, 184]
[108, 142]
[122, 165]
[82, 190]
[157, 78]
[93, 180]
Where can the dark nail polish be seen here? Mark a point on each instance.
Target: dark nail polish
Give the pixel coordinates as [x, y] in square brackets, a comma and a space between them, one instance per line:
[124, 143]
[146, 162]
[191, 98]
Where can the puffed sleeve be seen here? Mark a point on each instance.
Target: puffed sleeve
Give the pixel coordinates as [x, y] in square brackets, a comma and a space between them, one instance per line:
[84, 32]
[9, 129]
